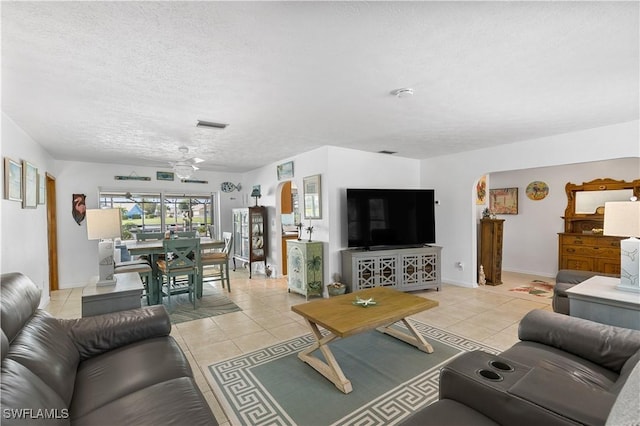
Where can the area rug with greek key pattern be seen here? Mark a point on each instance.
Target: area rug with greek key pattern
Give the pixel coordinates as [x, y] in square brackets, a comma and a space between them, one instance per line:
[390, 379]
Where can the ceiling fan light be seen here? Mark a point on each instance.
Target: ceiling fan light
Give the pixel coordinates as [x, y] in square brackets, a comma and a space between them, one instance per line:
[183, 171]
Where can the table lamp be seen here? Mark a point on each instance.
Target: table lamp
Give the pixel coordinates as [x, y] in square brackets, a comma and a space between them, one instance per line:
[103, 225]
[256, 194]
[622, 219]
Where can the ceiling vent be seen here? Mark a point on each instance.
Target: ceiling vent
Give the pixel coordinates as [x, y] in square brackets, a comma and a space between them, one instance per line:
[211, 124]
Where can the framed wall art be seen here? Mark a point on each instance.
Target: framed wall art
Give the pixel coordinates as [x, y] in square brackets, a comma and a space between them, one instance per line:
[537, 190]
[42, 188]
[29, 185]
[285, 170]
[503, 201]
[12, 180]
[481, 191]
[164, 176]
[312, 197]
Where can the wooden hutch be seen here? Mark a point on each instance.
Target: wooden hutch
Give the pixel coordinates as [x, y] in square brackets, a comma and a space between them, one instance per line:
[582, 245]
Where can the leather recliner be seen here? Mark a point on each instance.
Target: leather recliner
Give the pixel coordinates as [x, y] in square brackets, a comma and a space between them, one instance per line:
[565, 279]
[564, 371]
[121, 368]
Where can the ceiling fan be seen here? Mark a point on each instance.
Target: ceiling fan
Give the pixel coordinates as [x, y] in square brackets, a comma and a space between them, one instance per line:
[184, 167]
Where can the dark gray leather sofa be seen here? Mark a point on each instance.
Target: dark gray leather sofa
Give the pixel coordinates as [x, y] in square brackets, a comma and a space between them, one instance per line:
[565, 279]
[114, 369]
[564, 371]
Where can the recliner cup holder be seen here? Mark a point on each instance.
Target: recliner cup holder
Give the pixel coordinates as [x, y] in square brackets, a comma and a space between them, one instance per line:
[489, 375]
[499, 365]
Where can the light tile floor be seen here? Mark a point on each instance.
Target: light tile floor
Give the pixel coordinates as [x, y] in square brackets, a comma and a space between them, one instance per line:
[487, 314]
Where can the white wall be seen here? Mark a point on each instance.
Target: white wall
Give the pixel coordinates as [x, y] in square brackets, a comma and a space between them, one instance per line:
[339, 169]
[24, 231]
[454, 178]
[530, 242]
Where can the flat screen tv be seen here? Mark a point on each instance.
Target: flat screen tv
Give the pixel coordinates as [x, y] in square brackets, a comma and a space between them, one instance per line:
[380, 218]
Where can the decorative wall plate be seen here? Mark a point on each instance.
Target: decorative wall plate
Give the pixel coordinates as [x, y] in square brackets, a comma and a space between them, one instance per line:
[537, 190]
[229, 187]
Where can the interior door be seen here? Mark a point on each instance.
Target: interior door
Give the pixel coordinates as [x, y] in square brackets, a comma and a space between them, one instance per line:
[52, 232]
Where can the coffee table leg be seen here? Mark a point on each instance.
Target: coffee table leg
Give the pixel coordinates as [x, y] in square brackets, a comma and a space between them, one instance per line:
[413, 337]
[330, 369]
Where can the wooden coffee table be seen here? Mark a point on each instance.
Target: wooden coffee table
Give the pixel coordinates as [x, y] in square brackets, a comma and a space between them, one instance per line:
[342, 318]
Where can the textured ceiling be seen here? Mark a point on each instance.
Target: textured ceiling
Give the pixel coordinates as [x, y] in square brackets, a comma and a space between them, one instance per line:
[125, 82]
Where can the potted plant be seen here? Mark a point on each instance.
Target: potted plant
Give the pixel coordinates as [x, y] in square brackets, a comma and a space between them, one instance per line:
[336, 287]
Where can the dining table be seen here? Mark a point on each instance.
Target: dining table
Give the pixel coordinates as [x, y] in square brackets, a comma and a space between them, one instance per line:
[153, 248]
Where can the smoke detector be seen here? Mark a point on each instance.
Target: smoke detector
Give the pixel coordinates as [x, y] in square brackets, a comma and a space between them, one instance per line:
[404, 92]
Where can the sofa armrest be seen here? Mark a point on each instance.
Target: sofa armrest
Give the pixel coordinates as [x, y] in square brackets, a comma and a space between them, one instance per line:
[605, 345]
[98, 334]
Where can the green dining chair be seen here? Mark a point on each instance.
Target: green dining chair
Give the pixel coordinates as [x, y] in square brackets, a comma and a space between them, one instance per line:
[179, 269]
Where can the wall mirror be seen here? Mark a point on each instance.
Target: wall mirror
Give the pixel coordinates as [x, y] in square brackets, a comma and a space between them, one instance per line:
[312, 197]
[587, 202]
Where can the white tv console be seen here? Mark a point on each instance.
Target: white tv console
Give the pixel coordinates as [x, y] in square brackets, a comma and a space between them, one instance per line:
[405, 269]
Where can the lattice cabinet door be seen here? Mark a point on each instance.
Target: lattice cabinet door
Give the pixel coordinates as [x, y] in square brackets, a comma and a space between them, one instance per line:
[418, 270]
[375, 271]
[388, 271]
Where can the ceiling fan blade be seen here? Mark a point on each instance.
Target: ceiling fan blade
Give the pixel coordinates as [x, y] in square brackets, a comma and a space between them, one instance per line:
[197, 160]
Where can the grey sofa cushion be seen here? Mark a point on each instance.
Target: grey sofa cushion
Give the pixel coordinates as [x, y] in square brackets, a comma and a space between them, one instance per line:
[20, 299]
[448, 412]
[174, 402]
[550, 358]
[125, 371]
[606, 345]
[626, 409]
[44, 347]
[100, 333]
[21, 389]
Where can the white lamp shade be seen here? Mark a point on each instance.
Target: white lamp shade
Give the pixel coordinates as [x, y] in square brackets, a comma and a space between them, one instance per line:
[622, 218]
[103, 223]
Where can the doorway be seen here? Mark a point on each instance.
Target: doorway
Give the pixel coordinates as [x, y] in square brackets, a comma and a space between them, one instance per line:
[52, 232]
[289, 218]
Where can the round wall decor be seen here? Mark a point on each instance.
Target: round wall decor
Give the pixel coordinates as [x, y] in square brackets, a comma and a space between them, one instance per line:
[537, 190]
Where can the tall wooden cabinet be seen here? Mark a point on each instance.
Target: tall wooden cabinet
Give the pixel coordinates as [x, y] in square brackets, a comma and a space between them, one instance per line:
[491, 231]
[404, 269]
[250, 235]
[304, 265]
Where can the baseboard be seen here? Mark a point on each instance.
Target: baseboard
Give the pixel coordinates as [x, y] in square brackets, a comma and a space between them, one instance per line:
[538, 273]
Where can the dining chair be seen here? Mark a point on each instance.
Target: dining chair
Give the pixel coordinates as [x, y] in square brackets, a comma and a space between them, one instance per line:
[212, 231]
[220, 260]
[148, 236]
[186, 234]
[181, 259]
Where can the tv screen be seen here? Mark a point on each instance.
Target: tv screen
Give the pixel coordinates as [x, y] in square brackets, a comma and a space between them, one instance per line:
[390, 217]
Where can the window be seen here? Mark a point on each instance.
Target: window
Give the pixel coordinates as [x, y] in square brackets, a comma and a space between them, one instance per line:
[157, 212]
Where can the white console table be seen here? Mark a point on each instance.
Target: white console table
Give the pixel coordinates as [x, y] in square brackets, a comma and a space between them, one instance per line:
[597, 299]
[125, 294]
